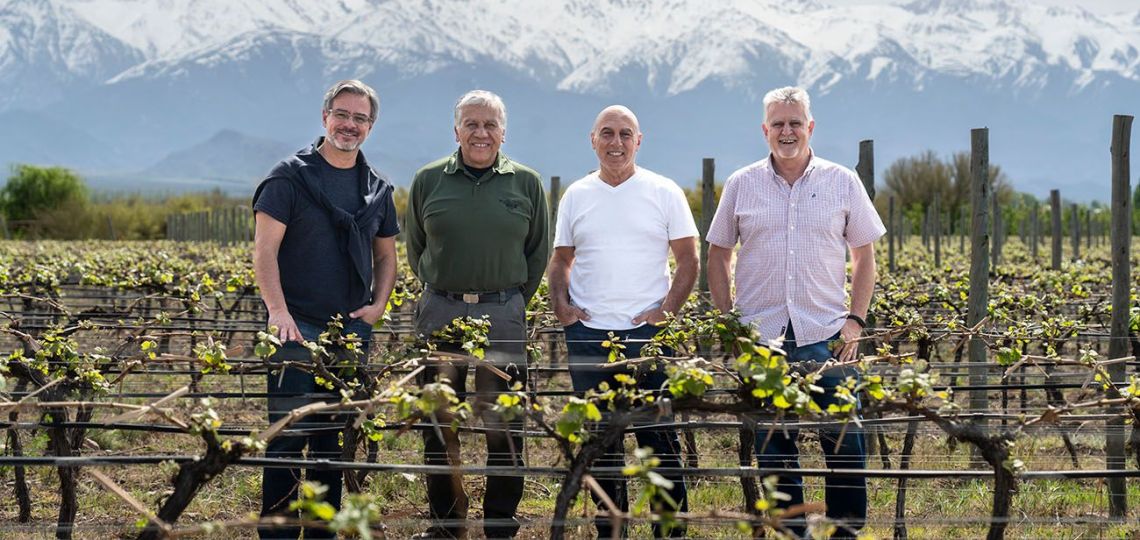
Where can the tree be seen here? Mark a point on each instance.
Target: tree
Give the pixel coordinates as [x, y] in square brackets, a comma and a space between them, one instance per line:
[914, 180]
[1001, 186]
[32, 190]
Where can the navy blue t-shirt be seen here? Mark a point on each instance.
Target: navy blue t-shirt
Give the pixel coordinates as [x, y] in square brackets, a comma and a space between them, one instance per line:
[317, 275]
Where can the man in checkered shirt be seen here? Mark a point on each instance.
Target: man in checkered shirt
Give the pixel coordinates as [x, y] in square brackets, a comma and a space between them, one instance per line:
[795, 217]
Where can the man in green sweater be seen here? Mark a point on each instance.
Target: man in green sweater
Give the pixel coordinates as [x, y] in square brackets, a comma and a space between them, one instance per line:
[478, 238]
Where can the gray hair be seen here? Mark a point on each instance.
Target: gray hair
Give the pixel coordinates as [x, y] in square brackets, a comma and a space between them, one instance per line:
[353, 86]
[788, 94]
[482, 98]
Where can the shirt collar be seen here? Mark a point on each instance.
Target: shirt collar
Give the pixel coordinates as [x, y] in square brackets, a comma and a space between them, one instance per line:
[812, 162]
[503, 164]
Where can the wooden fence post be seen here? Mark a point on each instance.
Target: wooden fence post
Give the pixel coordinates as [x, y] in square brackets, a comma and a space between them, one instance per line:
[892, 233]
[1055, 212]
[866, 166]
[979, 261]
[962, 229]
[925, 228]
[1075, 229]
[1121, 288]
[1035, 224]
[555, 198]
[936, 229]
[708, 209]
[250, 223]
[996, 238]
[1088, 229]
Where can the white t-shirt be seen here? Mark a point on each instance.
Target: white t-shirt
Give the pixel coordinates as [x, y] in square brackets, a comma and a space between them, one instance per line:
[620, 237]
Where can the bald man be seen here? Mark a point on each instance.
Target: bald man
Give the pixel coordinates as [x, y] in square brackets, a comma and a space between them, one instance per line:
[610, 273]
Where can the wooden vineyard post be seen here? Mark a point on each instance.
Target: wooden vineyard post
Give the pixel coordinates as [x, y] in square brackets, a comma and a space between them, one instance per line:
[228, 220]
[555, 198]
[250, 224]
[1088, 229]
[996, 239]
[936, 229]
[708, 209]
[962, 229]
[235, 226]
[866, 170]
[866, 166]
[1075, 229]
[892, 233]
[979, 261]
[1035, 224]
[1121, 285]
[925, 228]
[1055, 214]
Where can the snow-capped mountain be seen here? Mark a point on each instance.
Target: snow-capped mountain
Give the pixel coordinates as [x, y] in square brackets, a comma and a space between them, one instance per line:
[151, 77]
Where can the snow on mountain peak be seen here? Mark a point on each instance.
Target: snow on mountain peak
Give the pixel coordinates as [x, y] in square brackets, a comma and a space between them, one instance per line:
[674, 45]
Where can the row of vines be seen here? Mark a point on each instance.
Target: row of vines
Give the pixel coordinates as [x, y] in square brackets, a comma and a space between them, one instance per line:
[132, 399]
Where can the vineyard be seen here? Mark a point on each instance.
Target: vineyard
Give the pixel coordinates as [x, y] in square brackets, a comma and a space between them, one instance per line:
[997, 400]
[134, 404]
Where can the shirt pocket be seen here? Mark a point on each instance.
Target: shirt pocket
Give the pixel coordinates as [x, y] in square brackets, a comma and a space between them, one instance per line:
[825, 216]
[516, 206]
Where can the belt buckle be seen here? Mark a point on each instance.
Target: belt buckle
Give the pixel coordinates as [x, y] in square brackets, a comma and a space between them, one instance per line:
[470, 298]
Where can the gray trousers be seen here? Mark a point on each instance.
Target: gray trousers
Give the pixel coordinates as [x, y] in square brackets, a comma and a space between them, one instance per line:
[447, 498]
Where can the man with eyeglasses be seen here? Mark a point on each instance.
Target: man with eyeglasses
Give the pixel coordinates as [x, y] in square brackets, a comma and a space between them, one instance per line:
[324, 246]
[478, 238]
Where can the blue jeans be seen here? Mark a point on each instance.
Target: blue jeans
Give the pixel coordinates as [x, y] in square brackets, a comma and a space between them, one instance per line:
[584, 345]
[297, 388]
[846, 497]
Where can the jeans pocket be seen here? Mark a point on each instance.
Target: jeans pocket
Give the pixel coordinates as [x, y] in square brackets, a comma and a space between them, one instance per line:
[360, 327]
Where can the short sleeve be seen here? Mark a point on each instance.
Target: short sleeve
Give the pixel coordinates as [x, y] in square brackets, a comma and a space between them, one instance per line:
[723, 231]
[389, 224]
[863, 222]
[681, 222]
[276, 199]
[563, 235]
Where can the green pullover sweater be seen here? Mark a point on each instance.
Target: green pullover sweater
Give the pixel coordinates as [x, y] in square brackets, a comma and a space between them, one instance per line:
[467, 234]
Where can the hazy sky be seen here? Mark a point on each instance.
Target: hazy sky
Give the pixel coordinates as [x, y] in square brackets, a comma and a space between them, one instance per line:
[1096, 6]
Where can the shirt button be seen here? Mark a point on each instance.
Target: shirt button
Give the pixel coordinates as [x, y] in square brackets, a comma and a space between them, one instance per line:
[790, 252]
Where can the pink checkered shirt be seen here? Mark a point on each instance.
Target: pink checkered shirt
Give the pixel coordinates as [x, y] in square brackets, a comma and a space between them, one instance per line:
[792, 265]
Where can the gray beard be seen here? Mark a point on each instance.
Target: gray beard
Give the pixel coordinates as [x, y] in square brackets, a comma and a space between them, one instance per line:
[344, 147]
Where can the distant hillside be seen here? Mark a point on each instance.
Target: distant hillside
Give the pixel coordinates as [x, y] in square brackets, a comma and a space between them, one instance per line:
[228, 156]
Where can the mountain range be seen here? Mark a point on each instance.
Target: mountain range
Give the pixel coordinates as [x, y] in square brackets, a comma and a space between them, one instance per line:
[198, 93]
